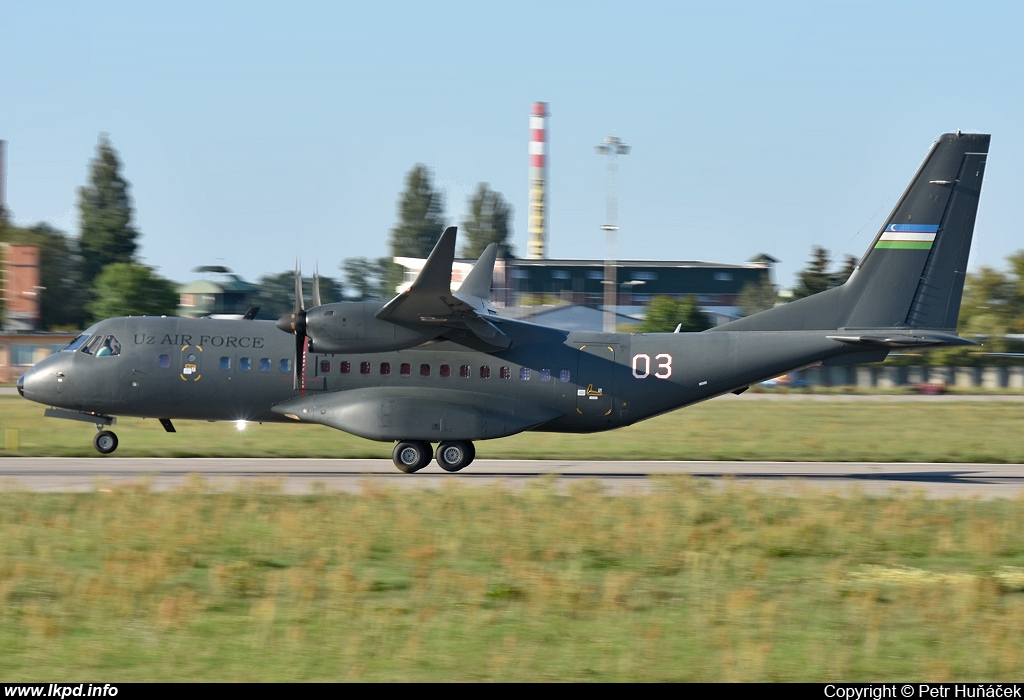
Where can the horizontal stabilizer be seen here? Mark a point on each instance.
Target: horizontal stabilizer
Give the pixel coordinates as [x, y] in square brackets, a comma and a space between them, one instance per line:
[903, 340]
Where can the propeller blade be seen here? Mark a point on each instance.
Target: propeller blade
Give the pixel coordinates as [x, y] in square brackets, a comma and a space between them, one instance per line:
[316, 285]
[300, 304]
[299, 366]
[296, 325]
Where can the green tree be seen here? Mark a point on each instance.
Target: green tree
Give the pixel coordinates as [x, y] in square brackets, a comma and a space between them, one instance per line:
[420, 221]
[366, 278]
[815, 277]
[489, 221]
[129, 289]
[664, 313]
[420, 216]
[276, 295]
[758, 296]
[107, 235]
[993, 301]
[843, 274]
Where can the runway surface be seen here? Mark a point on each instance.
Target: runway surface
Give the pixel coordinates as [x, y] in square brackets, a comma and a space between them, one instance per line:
[352, 475]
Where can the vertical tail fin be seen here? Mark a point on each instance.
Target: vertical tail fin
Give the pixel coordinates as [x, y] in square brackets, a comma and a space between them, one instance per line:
[912, 276]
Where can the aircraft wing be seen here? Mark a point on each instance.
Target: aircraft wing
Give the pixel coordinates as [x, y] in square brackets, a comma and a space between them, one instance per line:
[430, 302]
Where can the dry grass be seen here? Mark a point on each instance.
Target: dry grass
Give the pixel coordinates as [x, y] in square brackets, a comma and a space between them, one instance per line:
[688, 583]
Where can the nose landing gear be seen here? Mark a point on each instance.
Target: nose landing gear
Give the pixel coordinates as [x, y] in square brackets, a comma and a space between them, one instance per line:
[105, 441]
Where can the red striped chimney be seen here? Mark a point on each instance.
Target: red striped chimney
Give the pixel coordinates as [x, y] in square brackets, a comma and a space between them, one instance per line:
[537, 214]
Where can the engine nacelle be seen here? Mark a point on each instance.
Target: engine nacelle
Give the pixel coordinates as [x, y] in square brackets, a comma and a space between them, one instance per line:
[351, 326]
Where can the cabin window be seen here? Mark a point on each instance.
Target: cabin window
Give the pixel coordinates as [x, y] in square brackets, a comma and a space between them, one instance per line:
[264, 364]
[485, 372]
[164, 361]
[424, 370]
[385, 368]
[524, 373]
[564, 375]
[245, 364]
[505, 373]
[545, 375]
[225, 363]
[364, 368]
[464, 371]
[286, 365]
[344, 367]
[446, 371]
[405, 370]
[325, 366]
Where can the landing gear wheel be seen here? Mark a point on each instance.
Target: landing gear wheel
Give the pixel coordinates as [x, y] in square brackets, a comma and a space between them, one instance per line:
[411, 455]
[105, 442]
[455, 455]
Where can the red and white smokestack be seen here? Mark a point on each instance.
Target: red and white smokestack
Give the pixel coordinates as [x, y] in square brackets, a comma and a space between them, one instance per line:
[537, 215]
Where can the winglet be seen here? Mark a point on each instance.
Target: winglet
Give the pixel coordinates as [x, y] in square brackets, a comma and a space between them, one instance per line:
[436, 275]
[476, 288]
[431, 287]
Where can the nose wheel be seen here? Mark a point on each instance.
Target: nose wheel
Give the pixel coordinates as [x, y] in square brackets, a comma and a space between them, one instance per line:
[105, 442]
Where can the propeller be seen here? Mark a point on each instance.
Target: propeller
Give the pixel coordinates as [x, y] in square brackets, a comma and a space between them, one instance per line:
[296, 325]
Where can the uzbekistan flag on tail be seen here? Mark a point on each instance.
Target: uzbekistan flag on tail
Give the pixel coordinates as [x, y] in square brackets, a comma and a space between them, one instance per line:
[908, 236]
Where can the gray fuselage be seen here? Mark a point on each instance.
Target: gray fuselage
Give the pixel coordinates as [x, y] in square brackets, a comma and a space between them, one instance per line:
[555, 380]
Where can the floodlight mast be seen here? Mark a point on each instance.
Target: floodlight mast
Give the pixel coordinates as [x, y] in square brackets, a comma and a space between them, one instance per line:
[613, 147]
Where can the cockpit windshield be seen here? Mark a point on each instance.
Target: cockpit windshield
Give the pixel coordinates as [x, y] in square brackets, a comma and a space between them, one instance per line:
[76, 343]
[102, 346]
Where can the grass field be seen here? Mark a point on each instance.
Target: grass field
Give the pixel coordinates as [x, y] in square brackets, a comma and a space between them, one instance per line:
[688, 583]
[716, 430]
[692, 582]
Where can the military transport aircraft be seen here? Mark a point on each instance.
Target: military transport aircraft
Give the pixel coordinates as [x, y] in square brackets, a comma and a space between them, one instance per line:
[436, 366]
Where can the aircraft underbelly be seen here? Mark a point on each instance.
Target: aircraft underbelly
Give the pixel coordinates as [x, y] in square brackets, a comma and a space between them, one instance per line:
[425, 414]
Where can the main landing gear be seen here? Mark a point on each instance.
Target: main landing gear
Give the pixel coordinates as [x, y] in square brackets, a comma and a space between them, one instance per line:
[412, 455]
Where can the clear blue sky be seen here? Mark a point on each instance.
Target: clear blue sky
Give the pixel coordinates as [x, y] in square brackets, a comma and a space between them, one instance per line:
[255, 132]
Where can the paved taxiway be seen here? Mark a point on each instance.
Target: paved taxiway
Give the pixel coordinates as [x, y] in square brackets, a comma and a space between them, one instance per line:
[306, 475]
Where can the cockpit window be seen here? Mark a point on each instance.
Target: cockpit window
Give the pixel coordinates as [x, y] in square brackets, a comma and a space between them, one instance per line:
[102, 346]
[93, 345]
[76, 343]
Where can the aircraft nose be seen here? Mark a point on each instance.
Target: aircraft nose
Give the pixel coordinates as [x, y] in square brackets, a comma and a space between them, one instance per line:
[39, 383]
